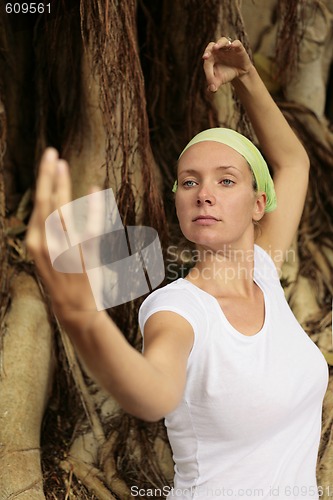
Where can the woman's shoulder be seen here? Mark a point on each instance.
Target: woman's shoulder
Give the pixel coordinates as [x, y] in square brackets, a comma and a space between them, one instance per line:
[179, 291]
[264, 267]
[178, 296]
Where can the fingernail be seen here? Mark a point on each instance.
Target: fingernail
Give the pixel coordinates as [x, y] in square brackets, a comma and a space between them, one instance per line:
[50, 153]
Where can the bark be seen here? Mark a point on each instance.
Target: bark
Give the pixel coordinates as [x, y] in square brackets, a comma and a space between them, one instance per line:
[24, 387]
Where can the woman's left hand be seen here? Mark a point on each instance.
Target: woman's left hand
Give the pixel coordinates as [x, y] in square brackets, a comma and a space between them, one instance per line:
[224, 61]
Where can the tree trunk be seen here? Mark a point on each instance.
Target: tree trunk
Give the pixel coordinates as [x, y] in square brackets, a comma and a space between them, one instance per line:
[24, 389]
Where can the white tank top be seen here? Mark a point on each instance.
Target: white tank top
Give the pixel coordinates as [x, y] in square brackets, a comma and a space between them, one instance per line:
[249, 422]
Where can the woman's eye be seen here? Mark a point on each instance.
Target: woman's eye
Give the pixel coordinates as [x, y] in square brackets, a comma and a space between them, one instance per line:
[227, 182]
[189, 183]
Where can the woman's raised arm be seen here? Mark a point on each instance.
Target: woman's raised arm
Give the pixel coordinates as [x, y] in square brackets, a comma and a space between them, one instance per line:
[227, 61]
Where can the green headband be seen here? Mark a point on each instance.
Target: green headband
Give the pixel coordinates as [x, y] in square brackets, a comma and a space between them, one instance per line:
[248, 150]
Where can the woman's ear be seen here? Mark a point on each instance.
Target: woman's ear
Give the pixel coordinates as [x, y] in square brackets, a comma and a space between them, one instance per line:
[259, 207]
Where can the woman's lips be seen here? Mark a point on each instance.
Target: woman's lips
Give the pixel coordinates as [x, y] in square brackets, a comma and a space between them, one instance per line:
[205, 220]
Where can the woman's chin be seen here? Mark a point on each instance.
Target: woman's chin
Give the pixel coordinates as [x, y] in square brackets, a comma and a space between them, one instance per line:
[211, 243]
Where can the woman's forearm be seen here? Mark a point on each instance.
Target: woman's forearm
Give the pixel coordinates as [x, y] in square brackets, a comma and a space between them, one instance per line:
[277, 140]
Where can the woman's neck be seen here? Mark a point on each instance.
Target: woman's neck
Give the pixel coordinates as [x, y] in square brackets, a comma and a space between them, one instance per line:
[226, 271]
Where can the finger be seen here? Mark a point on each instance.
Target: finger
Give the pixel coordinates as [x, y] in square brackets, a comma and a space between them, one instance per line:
[62, 184]
[237, 44]
[222, 42]
[43, 195]
[45, 180]
[208, 50]
[92, 247]
[210, 76]
[96, 212]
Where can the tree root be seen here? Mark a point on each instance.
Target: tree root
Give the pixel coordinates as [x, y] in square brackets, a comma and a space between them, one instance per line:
[88, 475]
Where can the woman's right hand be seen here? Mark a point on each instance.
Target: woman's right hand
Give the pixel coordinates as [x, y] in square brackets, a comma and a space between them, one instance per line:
[70, 293]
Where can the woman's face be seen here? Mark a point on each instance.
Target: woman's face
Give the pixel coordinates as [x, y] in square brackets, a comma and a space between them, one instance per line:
[215, 200]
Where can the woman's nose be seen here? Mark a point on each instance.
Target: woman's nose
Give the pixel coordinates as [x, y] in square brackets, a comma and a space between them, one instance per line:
[205, 197]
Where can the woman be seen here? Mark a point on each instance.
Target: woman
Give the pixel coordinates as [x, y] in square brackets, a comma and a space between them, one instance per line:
[240, 383]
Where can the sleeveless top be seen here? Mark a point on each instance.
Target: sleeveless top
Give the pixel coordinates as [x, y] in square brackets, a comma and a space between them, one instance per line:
[249, 422]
